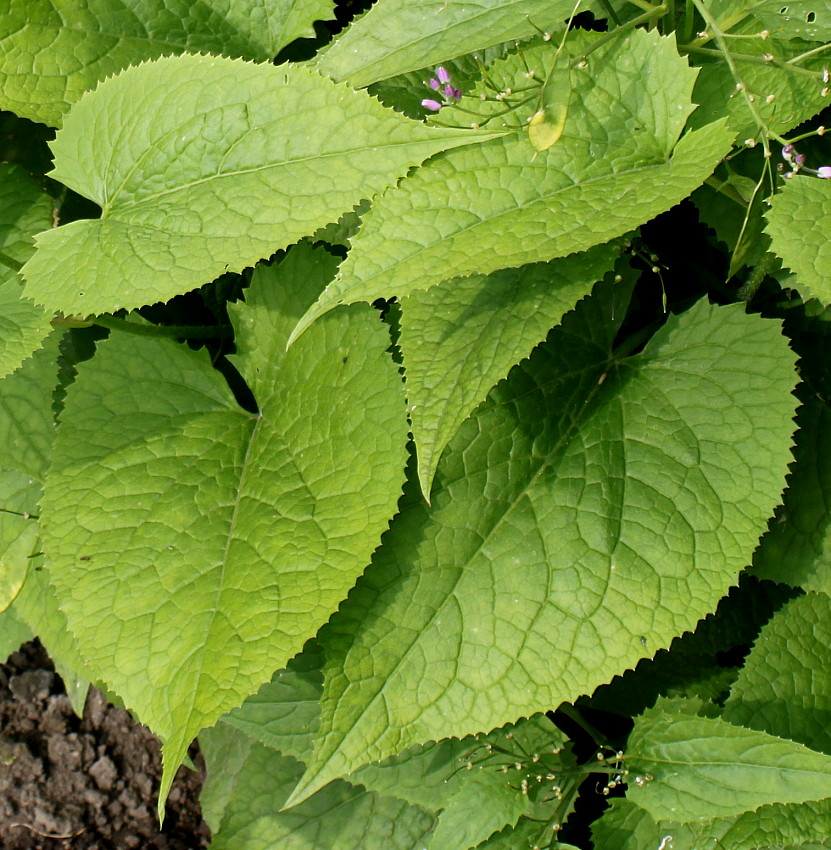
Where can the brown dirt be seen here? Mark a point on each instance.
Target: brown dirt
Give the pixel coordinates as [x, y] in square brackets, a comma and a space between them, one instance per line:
[68, 783]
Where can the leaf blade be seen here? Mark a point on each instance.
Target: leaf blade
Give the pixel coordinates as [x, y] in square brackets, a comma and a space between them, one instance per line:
[173, 512]
[496, 578]
[51, 53]
[198, 169]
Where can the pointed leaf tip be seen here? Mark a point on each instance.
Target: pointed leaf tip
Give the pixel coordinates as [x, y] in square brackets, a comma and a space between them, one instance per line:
[307, 320]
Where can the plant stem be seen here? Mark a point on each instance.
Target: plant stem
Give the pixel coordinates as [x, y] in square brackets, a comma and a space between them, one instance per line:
[809, 53]
[740, 84]
[643, 4]
[572, 713]
[751, 59]
[6, 260]
[158, 331]
[654, 12]
[610, 11]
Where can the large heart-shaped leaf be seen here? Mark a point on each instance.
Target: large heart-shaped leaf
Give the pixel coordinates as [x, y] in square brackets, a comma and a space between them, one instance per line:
[203, 165]
[620, 153]
[591, 508]
[195, 546]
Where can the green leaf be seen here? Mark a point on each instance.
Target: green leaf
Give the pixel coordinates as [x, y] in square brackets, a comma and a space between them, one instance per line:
[625, 826]
[705, 767]
[13, 633]
[285, 712]
[806, 19]
[620, 153]
[785, 686]
[697, 664]
[52, 52]
[796, 225]
[460, 337]
[591, 501]
[27, 431]
[396, 36]
[37, 606]
[479, 809]
[219, 540]
[248, 783]
[196, 167]
[25, 209]
[795, 550]
[731, 204]
[447, 777]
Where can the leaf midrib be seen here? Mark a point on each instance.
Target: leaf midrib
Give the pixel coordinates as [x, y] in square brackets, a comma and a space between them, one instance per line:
[508, 212]
[566, 436]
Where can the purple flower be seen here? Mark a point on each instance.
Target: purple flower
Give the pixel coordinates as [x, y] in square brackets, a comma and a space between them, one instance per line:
[788, 152]
[824, 171]
[434, 84]
[443, 74]
[451, 93]
[432, 105]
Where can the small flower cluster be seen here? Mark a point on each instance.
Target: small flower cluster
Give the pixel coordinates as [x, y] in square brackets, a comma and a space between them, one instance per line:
[796, 161]
[441, 83]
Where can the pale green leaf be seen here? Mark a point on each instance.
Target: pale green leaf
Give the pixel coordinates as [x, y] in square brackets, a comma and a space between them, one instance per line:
[805, 19]
[27, 431]
[590, 503]
[198, 167]
[52, 51]
[626, 826]
[430, 775]
[284, 713]
[619, 163]
[460, 337]
[248, 783]
[218, 540]
[797, 227]
[25, 209]
[396, 36]
[13, 633]
[37, 606]
[705, 767]
[785, 686]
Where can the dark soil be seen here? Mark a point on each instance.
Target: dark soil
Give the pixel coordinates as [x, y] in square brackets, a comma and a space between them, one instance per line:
[68, 783]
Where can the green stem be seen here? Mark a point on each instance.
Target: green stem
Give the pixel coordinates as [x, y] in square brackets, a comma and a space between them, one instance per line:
[642, 4]
[573, 714]
[158, 331]
[13, 264]
[750, 59]
[740, 84]
[654, 12]
[23, 514]
[756, 276]
[809, 53]
[610, 11]
[689, 22]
